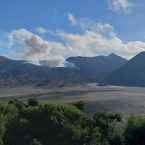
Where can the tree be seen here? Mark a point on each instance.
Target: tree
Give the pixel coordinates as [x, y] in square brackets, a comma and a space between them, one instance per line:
[135, 131]
[107, 123]
[33, 102]
[80, 105]
[50, 123]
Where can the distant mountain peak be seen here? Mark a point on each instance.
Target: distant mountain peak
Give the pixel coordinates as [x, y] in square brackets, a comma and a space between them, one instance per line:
[130, 74]
[141, 54]
[112, 55]
[3, 58]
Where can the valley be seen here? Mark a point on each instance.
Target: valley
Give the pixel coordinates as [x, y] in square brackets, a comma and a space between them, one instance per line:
[78, 81]
[97, 98]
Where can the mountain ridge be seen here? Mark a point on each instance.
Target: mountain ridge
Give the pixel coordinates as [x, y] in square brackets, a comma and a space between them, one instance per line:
[130, 74]
[97, 67]
[89, 69]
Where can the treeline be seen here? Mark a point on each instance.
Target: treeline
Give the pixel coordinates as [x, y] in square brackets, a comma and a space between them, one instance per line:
[33, 123]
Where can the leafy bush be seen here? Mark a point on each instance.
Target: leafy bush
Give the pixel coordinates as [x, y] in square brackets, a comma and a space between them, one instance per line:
[33, 102]
[135, 131]
[33, 123]
[109, 125]
[50, 124]
[80, 105]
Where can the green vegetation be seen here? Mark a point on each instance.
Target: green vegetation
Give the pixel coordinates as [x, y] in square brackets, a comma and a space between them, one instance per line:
[33, 123]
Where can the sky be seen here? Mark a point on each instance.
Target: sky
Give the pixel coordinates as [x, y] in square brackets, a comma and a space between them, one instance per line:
[54, 30]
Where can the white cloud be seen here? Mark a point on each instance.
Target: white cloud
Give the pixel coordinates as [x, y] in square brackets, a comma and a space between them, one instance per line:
[94, 40]
[92, 43]
[41, 30]
[118, 5]
[72, 19]
[34, 48]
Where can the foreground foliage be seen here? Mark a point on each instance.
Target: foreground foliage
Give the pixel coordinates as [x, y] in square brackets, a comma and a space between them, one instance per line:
[33, 123]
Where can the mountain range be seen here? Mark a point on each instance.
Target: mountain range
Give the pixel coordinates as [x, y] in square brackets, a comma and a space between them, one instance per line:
[84, 70]
[105, 70]
[130, 74]
[96, 68]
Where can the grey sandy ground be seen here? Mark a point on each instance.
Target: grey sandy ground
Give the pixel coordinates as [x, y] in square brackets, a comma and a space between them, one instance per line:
[97, 98]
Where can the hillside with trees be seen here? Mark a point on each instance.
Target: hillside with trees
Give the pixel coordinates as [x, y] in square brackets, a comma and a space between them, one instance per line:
[34, 123]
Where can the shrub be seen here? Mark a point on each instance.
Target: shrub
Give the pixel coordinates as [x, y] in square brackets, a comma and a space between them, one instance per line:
[135, 131]
[80, 105]
[50, 124]
[33, 102]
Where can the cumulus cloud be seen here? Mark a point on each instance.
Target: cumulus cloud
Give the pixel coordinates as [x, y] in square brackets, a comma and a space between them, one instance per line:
[94, 40]
[34, 48]
[72, 19]
[120, 5]
[41, 30]
[92, 43]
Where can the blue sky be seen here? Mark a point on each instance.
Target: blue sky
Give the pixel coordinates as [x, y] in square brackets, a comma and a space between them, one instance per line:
[52, 15]
[54, 18]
